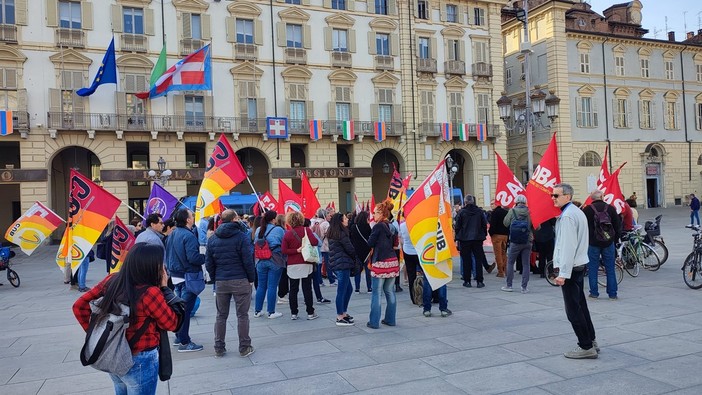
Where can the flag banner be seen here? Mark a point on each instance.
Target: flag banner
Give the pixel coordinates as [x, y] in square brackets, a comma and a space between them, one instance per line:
[288, 200]
[463, 133]
[604, 170]
[160, 202]
[508, 186]
[160, 68]
[192, 73]
[316, 128]
[331, 206]
[269, 203]
[347, 130]
[428, 216]
[396, 191]
[6, 124]
[106, 74]
[446, 131]
[122, 242]
[90, 208]
[359, 208]
[277, 127]
[540, 186]
[33, 227]
[380, 131]
[224, 172]
[611, 191]
[481, 131]
[310, 203]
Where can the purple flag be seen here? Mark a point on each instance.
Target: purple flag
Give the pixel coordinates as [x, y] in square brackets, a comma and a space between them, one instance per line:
[160, 202]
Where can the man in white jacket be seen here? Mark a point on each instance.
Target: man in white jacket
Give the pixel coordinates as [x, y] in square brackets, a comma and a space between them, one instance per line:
[570, 258]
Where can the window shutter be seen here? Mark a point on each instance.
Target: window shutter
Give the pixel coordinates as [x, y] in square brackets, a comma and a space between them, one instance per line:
[230, 25]
[78, 104]
[355, 114]
[10, 79]
[578, 112]
[187, 31]
[209, 113]
[327, 38]
[615, 113]
[394, 45]
[653, 115]
[309, 109]
[339, 94]
[116, 11]
[327, 4]
[374, 112]
[149, 22]
[372, 48]
[677, 116]
[206, 31]
[179, 105]
[442, 11]
[54, 100]
[595, 122]
[396, 113]
[130, 83]
[258, 32]
[432, 50]
[331, 111]
[87, 15]
[370, 6]
[281, 30]
[641, 114]
[243, 107]
[22, 103]
[306, 37]
[351, 36]
[392, 7]
[461, 50]
[261, 108]
[350, 5]
[21, 12]
[77, 80]
[666, 118]
[121, 101]
[52, 13]
[628, 114]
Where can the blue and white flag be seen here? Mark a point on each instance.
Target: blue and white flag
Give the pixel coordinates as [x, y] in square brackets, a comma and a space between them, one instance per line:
[107, 73]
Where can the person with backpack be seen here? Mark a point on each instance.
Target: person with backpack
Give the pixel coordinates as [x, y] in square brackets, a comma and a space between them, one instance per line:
[268, 236]
[140, 290]
[343, 261]
[604, 228]
[518, 222]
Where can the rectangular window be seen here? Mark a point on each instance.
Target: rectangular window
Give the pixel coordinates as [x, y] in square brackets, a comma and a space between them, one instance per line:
[244, 31]
[621, 113]
[508, 76]
[339, 40]
[646, 114]
[381, 7]
[296, 2]
[195, 26]
[483, 107]
[135, 106]
[426, 105]
[424, 48]
[585, 62]
[479, 16]
[619, 65]
[480, 52]
[8, 100]
[699, 72]
[451, 13]
[298, 110]
[294, 35]
[669, 74]
[7, 12]
[343, 111]
[133, 20]
[456, 107]
[698, 116]
[644, 68]
[422, 9]
[338, 4]
[586, 113]
[194, 110]
[671, 115]
[382, 44]
[69, 15]
[454, 50]
[251, 108]
[385, 112]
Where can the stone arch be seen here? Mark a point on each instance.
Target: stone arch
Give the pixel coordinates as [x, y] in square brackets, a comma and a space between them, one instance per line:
[382, 161]
[342, 77]
[135, 61]
[298, 73]
[453, 32]
[382, 24]
[244, 9]
[10, 54]
[590, 159]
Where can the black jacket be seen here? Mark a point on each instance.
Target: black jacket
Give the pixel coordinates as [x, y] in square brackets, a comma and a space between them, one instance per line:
[229, 255]
[359, 234]
[381, 240]
[342, 255]
[546, 231]
[616, 222]
[497, 227]
[471, 224]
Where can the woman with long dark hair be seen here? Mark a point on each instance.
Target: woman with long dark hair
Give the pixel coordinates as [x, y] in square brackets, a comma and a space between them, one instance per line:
[384, 266]
[359, 233]
[342, 260]
[298, 268]
[269, 270]
[141, 285]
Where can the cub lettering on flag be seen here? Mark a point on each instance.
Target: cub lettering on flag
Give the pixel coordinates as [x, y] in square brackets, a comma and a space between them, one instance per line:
[122, 242]
[33, 227]
[538, 192]
[508, 186]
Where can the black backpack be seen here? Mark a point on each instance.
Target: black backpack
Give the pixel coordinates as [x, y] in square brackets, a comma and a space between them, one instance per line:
[519, 230]
[604, 230]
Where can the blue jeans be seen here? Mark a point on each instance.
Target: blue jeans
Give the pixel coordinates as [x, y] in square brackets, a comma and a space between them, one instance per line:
[607, 253]
[142, 378]
[317, 281]
[357, 279]
[268, 279]
[183, 335]
[426, 296]
[330, 273]
[343, 293]
[386, 285]
[83, 272]
[694, 214]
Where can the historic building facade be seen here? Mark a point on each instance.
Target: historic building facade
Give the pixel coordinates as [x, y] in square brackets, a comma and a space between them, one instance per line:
[640, 97]
[413, 64]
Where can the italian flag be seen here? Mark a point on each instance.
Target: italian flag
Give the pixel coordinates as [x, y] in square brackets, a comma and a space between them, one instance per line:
[463, 131]
[347, 130]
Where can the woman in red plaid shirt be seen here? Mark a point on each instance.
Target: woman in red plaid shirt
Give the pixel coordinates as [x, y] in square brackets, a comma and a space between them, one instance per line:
[142, 282]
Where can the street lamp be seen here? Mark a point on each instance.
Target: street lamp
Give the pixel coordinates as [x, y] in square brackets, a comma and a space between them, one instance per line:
[162, 175]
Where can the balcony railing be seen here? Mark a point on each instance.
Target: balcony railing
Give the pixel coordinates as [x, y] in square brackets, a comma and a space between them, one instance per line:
[384, 62]
[70, 38]
[20, 120]
[481, 69]
[329, 128]
[8, 33]
[455, 67]
[190, 45]
[245, 51]
[295, 56]
[341, 59]
[426, 65]
[134, 42]
[434, 130]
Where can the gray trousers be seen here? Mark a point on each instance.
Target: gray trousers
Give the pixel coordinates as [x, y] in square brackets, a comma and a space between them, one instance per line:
[240, 290]
[513, 252]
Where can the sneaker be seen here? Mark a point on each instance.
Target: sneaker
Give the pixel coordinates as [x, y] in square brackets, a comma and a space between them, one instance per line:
[84, 289]
[593, 296]
[177, 343]
[343, 322]
[190, 347]
[275, 315]
[358, 291]
[525, 290]
[247, 351]
[579, 353]
[480, 285]
[349, 318]
[501, 275]
[293, 317]
[283, 300]
[398, 288]
[332, 284]
[370, 290]
[257, 314]
[220, 353]
[490, 268]
[613, 297]
[507, 289]
[323, 301]
[446, 313]
[386, 323]
[596, 346]
[427, 313]
[312, 316]
[467, 284]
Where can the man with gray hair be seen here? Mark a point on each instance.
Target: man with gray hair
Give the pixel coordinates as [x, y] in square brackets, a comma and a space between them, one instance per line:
[518, 222]
[470, 232]
[570, 258]
[604, 228]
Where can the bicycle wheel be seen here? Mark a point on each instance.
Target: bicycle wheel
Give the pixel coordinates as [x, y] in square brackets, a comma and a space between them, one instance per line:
[661, 250]
[619, 273]
[551, 273]
[649, 258]
[630, 261]
[602, 275]
[13, 278]
[691, 271]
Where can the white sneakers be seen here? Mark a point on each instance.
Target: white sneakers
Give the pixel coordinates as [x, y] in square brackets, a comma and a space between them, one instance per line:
[275, 315]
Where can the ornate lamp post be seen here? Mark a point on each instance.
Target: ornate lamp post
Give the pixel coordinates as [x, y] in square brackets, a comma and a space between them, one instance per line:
[162, 175]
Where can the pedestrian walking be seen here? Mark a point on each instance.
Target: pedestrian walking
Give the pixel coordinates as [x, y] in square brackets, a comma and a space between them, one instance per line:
[384, 266]
[269, 270]
[471, 231]
[694, 210]
[604, 229]
[343, 261]
[298, 269]
[498, 235]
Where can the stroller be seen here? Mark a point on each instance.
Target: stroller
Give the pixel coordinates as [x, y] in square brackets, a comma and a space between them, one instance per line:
[5, 255]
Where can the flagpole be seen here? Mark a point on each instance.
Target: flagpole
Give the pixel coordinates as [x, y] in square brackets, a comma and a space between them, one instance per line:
[258, 199]
[134, 211]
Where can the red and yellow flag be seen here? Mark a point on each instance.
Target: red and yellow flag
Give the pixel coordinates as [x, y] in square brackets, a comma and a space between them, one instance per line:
[90, 208]
[122, 242]
[30, 230]
[224, 172]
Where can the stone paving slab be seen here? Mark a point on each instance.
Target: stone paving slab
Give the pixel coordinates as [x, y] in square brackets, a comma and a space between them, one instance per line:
[612, 382]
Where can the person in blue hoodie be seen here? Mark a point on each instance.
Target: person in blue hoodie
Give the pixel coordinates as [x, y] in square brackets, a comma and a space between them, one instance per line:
[269, 270]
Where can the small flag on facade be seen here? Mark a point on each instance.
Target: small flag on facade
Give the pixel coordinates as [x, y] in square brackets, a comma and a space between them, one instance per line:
[446, 131]
[277, 127]
[379, 128]
[481, 131]
[463, 131]
[316, 129]
[347, 130]
[6, 126]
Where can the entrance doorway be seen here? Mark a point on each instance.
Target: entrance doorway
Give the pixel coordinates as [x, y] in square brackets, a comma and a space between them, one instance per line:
[652, 192]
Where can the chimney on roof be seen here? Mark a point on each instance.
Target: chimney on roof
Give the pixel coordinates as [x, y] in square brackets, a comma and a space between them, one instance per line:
[690, 35]
[671, 36]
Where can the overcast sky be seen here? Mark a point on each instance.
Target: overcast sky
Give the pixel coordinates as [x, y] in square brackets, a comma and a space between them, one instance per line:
[655, 11]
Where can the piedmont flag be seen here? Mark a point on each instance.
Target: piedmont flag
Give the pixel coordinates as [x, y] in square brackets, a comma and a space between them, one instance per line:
[224, 172]
[316, 128]
[380, 132]
[192, 73]
[446, 131]
[508, 186]
[277, 127]
[310, 203]
[288, 200]
[122, 242]
[463, 131]
[107, 73]
[428, 216]
[540, 187]
[347, 130]
[160, 202]
[33, 227]
[6, 125]
[481, 131]
[90, 208]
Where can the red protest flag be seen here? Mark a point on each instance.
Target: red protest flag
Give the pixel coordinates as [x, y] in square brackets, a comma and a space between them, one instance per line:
[288, 200]
[604, 169]
[269, 203]
[611, 191]
[540, 186]
[508, 186]
[122, 242]
[310, 203]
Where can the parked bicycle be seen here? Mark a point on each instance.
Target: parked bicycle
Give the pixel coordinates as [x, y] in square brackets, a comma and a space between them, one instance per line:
[654, 239]
[552, 273]
[633, 253]
[692, 267]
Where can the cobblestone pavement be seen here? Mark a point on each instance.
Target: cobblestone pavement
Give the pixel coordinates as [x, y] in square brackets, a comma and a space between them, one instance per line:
[495, 342]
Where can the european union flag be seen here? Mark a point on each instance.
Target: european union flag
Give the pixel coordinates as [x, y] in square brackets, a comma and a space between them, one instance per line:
[107, 73]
